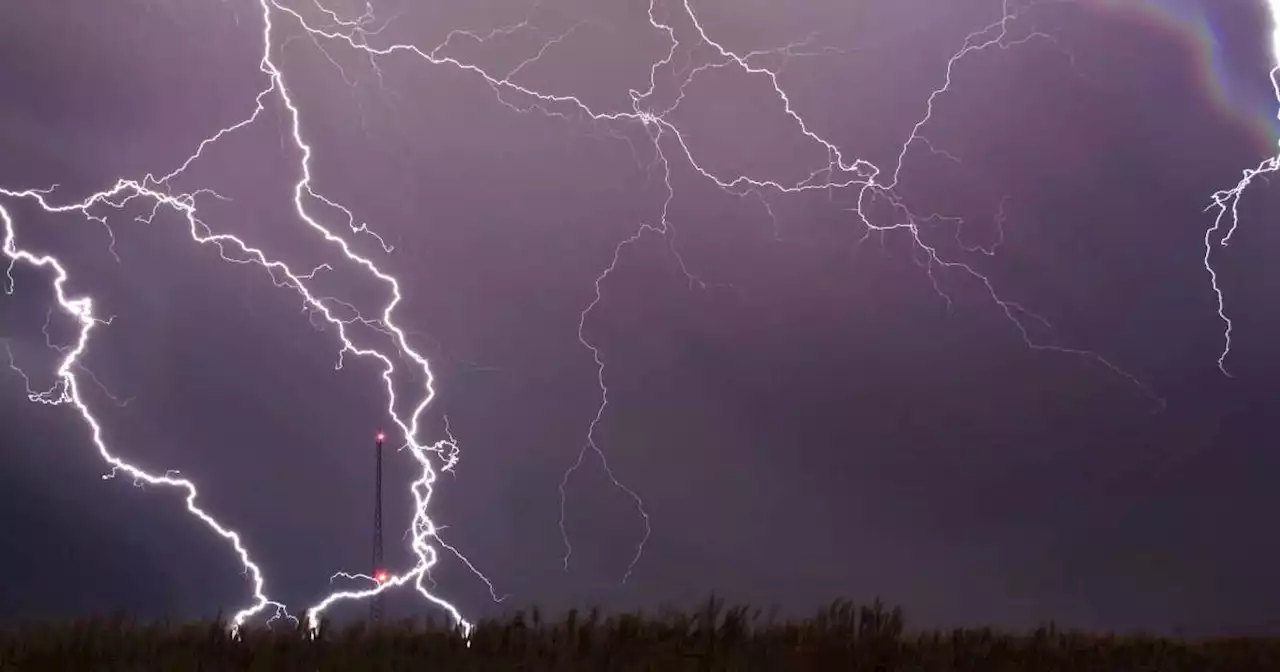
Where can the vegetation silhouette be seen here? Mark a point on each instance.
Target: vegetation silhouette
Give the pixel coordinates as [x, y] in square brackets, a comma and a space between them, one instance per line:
[843, 636]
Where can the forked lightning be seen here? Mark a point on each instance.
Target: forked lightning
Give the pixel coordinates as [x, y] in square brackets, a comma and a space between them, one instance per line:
[1227, 201]
[681, 25]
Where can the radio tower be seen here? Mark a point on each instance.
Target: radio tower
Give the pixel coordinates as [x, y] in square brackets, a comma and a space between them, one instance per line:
[379, 573]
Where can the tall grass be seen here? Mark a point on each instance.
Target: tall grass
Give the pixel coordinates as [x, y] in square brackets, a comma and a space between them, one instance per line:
[843, 636]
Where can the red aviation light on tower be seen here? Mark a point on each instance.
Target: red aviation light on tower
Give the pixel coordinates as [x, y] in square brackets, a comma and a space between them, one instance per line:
[381, 576]
[380, 436]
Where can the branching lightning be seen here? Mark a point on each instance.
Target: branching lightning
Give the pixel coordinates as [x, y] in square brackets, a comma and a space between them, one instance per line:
[67, 389]
[235, 250]
[681, 25]
[1227, 201]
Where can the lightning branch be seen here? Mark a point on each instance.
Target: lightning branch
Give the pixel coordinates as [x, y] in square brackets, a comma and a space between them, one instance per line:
[682, 27]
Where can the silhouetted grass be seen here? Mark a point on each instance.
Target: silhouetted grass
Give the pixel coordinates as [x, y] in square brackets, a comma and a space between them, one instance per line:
[842, 637]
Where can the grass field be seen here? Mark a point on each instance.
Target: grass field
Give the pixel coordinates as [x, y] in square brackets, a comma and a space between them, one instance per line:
[841, 637]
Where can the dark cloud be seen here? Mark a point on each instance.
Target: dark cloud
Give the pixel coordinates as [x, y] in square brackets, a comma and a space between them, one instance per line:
[818, 421]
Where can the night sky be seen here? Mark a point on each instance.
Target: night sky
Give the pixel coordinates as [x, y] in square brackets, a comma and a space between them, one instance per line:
[806, 410]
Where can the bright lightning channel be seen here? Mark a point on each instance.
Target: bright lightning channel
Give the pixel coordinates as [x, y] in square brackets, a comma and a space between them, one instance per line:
[81, 309]
[1227, 201]
[67, 388]
[839, 173]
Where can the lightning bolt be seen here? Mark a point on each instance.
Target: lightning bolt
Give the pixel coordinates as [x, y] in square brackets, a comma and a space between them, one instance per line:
[1227, 201]
[233, 249]
[67, 388]
[839, 173]
[685, 32]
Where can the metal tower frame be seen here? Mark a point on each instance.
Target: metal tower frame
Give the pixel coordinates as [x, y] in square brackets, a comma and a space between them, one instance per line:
[375, 604]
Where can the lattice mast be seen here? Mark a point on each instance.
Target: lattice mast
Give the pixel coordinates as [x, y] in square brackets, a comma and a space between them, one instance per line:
[379, 572]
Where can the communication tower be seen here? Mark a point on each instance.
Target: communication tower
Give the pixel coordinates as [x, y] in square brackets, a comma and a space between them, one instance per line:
[379, 573]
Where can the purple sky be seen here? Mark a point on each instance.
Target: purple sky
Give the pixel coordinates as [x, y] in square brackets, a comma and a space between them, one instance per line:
[816, 421]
